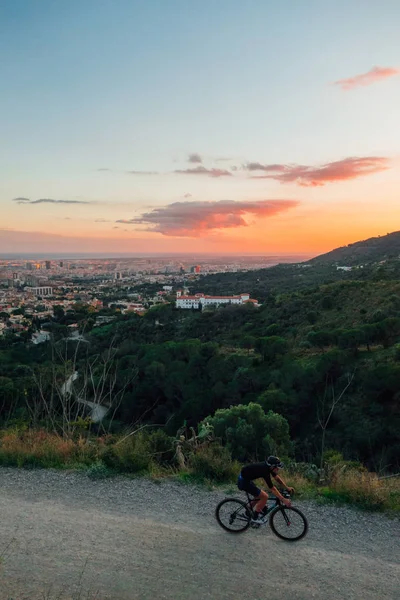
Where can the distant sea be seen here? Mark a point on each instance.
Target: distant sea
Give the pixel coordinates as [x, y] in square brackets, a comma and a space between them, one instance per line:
[274, 258]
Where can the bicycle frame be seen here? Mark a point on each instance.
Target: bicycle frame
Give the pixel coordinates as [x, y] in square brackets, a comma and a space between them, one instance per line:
[251, 502]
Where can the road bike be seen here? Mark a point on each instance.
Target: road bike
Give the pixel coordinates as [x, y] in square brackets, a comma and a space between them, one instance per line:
[236, 516]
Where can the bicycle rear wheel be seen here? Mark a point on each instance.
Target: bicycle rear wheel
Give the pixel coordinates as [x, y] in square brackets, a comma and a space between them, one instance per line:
[233, 515]
[288, 523]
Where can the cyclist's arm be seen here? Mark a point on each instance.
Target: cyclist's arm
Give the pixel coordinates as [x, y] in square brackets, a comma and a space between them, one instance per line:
[272, 488]
[276, 492]
[280, 480]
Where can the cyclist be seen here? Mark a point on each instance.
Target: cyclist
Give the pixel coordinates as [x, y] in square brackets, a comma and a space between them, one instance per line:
[263, 470]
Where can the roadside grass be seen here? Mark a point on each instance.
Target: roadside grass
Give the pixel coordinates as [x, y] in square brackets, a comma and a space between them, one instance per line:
[153, 455]
[364, 490]
[39, 448]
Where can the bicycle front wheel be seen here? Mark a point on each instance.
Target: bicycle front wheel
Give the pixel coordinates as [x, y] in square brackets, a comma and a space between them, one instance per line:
[288, 523]
[233, 515]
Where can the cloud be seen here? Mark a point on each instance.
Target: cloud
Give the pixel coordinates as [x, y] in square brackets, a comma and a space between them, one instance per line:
[48, 201]
[203, 171]
[373, 76]
[306, 176]
[142, 172]
[255, 166]
[195, 219]
[103, 169]
[195, 158]
[102, 221]
[187, 195]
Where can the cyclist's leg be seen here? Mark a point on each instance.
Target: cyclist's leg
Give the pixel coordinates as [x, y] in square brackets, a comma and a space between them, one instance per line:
[260, 497]
[262, 501]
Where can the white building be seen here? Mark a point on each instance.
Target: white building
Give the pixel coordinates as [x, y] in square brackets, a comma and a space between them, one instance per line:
[202, 301]
[188, 302]
[40, 291]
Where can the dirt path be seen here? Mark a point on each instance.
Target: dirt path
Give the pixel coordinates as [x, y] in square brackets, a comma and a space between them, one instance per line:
[65, 536]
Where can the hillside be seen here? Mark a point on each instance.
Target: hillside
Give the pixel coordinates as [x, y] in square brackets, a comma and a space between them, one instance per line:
[377, 259]
[372, 250]
[282, 355]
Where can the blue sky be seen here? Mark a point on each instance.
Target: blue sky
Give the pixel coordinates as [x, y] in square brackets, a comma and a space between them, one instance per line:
[138, 86]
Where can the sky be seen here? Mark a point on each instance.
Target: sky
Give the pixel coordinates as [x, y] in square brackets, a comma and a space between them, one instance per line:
[222, 127]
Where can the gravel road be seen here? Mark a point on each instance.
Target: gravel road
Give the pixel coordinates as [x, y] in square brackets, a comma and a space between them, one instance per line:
[64, 536]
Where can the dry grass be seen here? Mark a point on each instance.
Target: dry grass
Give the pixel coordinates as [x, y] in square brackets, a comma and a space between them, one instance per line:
[39, 448]
[366, 490]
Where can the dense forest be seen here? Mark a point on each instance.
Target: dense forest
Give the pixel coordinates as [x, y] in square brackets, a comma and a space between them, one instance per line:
[312, 369]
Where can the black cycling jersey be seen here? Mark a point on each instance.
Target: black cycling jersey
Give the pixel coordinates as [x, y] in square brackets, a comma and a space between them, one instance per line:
[257, 471]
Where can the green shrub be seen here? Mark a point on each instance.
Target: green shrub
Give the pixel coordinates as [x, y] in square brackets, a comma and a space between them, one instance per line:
[333, 457]
[335, 465]
[305, 344]
[249, 432]
[214, 463]
[129, 456]
[98, 470]
[161, 447]
[309, 471]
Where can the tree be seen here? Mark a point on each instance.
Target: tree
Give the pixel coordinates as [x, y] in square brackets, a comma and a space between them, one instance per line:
[7, 396]
[319, 338]
[249, 432]
[327, 405]
[388, 331]
[271, 347]
[273, 399]
[248, 342]
[58, 312]
[351, 339]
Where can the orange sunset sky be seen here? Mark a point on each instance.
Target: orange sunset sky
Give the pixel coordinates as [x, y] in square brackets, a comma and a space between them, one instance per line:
[229, 127]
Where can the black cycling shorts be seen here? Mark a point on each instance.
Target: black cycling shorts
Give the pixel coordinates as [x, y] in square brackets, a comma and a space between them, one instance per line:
[249, 486]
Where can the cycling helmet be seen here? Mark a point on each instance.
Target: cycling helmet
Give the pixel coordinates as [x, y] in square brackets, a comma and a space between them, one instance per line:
[274, 462]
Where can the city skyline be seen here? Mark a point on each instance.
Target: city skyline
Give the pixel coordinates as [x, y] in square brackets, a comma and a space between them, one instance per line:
[212, 128]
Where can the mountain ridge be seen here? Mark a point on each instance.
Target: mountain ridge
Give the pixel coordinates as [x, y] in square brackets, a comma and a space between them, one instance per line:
[372, 249]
